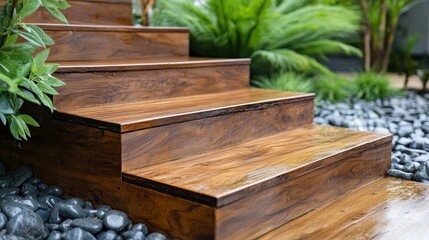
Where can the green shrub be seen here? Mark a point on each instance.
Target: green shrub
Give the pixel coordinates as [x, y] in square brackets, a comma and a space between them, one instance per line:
[371, 86]
[279, 36]
[333, 88]
[23, 76]
[289, 81]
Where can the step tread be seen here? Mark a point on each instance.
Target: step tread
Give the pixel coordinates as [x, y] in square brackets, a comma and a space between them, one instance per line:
[125, 117]
[388, 208]
[146, 64]
[223, 176]
[107, 28]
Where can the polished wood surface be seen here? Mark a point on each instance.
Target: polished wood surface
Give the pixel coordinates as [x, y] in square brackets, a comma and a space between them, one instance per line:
[132, 81]
[92, 42]
[175, 141]
[386, 209]
[147, 114]
[147, 64]
[105, 12]
[226, 175]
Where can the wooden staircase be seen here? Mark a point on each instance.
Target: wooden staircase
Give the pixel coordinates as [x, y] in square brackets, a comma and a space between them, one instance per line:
[181, 143]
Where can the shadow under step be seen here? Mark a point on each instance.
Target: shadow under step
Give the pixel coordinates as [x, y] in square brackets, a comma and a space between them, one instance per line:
[256, 186]
[114, 81]
[99, 12]
[100, 42]
[388, 208]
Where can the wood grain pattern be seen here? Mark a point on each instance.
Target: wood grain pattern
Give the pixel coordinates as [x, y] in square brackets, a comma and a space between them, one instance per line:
[167, 143]
[85, 163]
[92, 43]
[266, 210]
[226, 175]
[386, 209]
[147, 114]
[90, 12]
[133, 83]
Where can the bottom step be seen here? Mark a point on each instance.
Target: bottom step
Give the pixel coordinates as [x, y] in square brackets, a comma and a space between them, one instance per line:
[385, 209]
[254, 187]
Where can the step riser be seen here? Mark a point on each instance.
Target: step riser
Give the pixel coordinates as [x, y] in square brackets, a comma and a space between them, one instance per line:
[83, 89]
[258, 214]
[92, 45]
[90, 13]
[166, 143]
[87, 165]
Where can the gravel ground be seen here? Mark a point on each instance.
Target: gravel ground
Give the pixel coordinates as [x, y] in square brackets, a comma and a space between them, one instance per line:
[32, 210]
[406, 117]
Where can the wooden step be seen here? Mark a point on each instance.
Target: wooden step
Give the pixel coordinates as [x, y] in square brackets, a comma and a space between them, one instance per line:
[256, 186]
[91, 83]
[385, 209]
[92, 43]
[96, 12]
[166, 129]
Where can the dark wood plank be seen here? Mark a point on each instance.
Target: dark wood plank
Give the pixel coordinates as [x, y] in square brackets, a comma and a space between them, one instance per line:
[226, 175]
[85, 162]
[103, 12]
[386, 209]
[132, 81]
[128, 117]
[91, 42]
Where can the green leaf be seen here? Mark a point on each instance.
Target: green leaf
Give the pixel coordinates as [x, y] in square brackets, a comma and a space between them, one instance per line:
[5, 105]
[29, 8]
[46, 88]
[14, 128]
[22, 127]
[33, 38]
[47, 102]
[29, 120]
[3, 119]
[11, 39]
[39, 60]
[54, 82]
[45, 38]
[57, 14]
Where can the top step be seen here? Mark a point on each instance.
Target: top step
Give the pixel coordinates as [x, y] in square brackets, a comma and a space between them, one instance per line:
[95, 43]
[95, 12]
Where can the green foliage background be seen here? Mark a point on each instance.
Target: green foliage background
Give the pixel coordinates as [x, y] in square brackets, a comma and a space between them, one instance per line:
[24, 75]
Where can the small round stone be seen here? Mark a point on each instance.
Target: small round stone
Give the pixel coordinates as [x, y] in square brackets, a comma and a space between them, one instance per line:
[55, 235]
[3, 220]
[133, 235]
[141, 227]
[107, 235]
[26, 224]
[92, 225]
[77, 234]
[156, 236]
[115, 220]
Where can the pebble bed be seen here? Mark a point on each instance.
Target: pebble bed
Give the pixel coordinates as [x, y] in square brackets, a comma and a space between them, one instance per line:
[406, 117]
[32, 210]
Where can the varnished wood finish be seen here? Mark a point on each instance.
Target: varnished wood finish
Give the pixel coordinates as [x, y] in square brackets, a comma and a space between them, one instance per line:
[90, 12]
[85, 162]
[92, 43]
[147, 114]
[386, 209]
[131, 81]
[223, 176]
[167, 143]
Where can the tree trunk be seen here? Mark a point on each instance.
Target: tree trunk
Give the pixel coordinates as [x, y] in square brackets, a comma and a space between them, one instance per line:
[146, 6]
[407, 78]
[366, 36]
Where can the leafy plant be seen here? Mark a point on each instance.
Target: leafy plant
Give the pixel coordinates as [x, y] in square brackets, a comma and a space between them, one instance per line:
[279, 36]
[289, 81]
[23, 76]
[424, 77]
[371, 86]
[333, 88]
[402, 60]
[379, 27]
